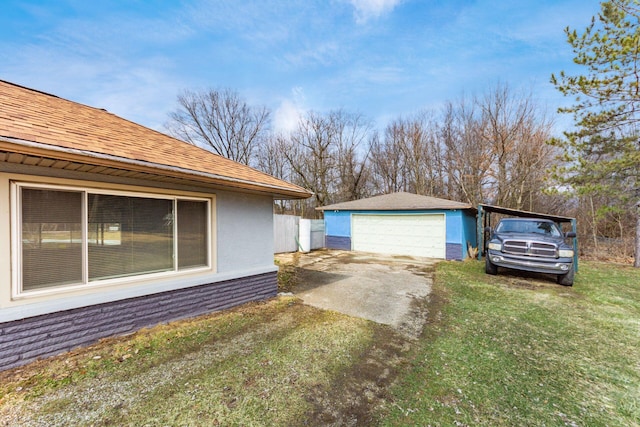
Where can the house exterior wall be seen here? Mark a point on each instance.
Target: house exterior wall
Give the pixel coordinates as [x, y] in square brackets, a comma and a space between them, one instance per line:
[25, 340]
[460, 228]
[245, 232]
[242, 270]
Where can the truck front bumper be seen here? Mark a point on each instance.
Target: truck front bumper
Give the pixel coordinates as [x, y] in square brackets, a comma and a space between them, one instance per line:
[537, 265]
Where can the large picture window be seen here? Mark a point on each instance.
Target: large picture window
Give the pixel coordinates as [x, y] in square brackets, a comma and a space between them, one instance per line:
[74, 236]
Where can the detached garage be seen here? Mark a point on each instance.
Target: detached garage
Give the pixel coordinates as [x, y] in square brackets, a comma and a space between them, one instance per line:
[402, 224]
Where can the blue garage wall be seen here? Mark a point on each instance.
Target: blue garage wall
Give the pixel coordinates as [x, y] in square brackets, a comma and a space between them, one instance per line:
[460, 228]
[469, 226]
[337, 230]
[455, 233]
[337, 223]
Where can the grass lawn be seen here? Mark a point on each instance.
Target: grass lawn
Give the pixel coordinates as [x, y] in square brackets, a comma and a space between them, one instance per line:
[520, 351]
[503, 350]
[261, 364]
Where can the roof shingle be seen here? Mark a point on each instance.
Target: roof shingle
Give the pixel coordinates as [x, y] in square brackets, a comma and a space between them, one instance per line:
[33, 116]
[397, 201]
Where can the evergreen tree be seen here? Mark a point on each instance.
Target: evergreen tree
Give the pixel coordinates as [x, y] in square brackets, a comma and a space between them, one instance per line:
[603, 151]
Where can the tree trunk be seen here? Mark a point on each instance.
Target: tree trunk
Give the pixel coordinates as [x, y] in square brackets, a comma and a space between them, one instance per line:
[594, 225]
[636, 262]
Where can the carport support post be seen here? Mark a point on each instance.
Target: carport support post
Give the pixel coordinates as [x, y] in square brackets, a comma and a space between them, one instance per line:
[574, 228]
[480, 231]
[636, 252]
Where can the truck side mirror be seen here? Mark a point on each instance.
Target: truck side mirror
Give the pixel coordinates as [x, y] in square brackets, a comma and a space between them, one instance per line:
[488, 230]
[570, 234]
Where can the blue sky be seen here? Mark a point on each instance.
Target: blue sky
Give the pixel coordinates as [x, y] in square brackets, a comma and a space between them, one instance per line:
[381, 58]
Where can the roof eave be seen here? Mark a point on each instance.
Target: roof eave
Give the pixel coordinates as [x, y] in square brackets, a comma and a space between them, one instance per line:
[26, 147]
[523, 213]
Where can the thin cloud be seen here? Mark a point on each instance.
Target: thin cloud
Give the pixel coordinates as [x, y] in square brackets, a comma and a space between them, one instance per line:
[323, 53]
[371, 9]
[256, 22]
[286, 116]
[288, 113]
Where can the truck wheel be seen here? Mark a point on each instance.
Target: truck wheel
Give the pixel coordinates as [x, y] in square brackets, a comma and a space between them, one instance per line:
[489, 267]
[567, 278]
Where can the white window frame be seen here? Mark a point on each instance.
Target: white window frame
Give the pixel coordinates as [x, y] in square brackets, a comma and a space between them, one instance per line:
[16, 238]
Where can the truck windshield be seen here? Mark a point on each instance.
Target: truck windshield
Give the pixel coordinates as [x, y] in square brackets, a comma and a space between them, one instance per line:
[530, 227]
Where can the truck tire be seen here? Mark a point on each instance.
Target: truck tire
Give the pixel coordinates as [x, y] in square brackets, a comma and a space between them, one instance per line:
[489, 267]
[567, 278]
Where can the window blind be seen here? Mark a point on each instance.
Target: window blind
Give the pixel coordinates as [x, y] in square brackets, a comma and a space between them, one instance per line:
[51, 234]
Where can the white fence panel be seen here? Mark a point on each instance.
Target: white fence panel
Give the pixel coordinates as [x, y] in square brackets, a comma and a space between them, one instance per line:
[285, 233]
[317, 234]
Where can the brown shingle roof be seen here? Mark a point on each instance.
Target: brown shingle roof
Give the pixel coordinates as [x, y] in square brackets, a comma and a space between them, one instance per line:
[62, 126]
[396, 202]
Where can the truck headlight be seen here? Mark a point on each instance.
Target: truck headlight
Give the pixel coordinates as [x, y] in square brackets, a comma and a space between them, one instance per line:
[565, 253]
[495, 246]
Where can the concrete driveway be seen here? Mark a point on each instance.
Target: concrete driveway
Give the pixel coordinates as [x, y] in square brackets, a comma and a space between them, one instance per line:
[392, 290]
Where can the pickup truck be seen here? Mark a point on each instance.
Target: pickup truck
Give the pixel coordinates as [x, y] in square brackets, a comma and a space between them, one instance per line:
[531, 244]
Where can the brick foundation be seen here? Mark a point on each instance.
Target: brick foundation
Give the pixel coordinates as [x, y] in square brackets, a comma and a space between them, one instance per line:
[23, 341]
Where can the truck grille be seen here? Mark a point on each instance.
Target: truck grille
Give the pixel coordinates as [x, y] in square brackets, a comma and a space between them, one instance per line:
[525, 247]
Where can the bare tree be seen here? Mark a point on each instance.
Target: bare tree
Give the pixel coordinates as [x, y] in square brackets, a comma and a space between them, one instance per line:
[515, 131]
[311, 156]
[422, 155]
[221, 121]
[409, 157]
[466, 160]
[353, 149]
[328, 155]
[387, 160]
[272, 159]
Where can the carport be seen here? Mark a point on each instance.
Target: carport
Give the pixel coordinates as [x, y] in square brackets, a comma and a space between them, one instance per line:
[484, 221]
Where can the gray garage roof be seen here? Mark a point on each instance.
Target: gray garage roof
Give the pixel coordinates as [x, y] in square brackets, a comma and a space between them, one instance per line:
[396, 202]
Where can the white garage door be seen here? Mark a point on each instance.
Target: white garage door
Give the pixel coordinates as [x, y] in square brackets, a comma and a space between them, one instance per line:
[416, 235]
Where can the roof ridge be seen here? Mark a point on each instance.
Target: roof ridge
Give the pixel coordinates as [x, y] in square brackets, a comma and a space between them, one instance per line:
[104, 110]
[31, 89]
[41, 92]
